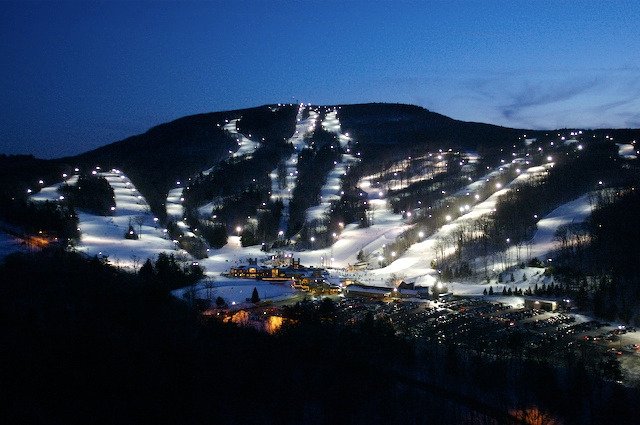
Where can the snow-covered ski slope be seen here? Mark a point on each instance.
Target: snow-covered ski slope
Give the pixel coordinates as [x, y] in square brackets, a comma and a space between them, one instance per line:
[304, 130]
[415, 261]
[246, 146]
[105, 235]
[331, 123]
[543, 242]
[175, 210]
[627, 151]
[51, 193]
[330, 191]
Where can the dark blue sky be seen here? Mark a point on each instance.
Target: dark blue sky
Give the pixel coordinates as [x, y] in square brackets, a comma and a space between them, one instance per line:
[75, 76]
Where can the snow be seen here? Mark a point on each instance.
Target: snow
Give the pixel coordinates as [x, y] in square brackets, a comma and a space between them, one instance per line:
[437, 166]
[236, 291]
[332, 125]
[576, 211]
[246, 146]
[50, 193]
[415, 261]
[627, 150]
[175, 210]
[104, 235]
[304, 130]
[330, 191]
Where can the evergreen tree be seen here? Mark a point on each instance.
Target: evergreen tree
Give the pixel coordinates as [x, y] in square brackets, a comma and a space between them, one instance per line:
[220, 303]
[490, 290]
[504, 290]
[484, 292]
[146, 272]
[255, 298]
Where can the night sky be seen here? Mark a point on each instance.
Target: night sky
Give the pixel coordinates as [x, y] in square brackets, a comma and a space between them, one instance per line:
[75, 76]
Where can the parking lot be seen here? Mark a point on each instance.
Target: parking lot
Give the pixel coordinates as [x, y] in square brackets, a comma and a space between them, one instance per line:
[503, 330]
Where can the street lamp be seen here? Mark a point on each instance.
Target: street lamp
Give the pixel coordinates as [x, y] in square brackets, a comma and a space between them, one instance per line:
[238, 230]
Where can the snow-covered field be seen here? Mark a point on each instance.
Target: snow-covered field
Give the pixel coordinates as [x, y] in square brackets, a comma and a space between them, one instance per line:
[235, 291]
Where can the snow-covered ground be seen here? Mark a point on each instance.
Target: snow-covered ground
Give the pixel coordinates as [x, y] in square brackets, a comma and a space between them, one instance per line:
[175, 209]
[246, 146]
[330, 191]
[304, 130]
[627, 151]
[50, 193]
[542, 243]
[576, 211]
[104, 235]
[235, 291]
[415, 261]
[435, 164]
[331, 123]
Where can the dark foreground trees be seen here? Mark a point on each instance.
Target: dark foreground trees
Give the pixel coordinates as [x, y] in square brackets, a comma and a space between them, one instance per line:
[85, 343]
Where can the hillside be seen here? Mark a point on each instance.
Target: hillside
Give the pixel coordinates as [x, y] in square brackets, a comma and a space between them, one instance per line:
[174, 151]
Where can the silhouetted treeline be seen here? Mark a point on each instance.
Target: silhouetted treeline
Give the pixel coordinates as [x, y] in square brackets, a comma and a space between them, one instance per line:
[272, 123]
[53, 218]
[600, 262]
[91, 193]
[21, 172]
[85, 342]
[398, 124]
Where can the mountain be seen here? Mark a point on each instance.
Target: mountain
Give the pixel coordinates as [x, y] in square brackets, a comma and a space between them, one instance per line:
[173, 151]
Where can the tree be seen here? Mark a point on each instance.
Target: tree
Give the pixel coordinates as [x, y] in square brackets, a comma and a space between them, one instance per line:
[255, 298]
[146, 272]
[490, 290]
[131, 233]
[220, 302]
[136, 262]
[139, 220]
[484, 292]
